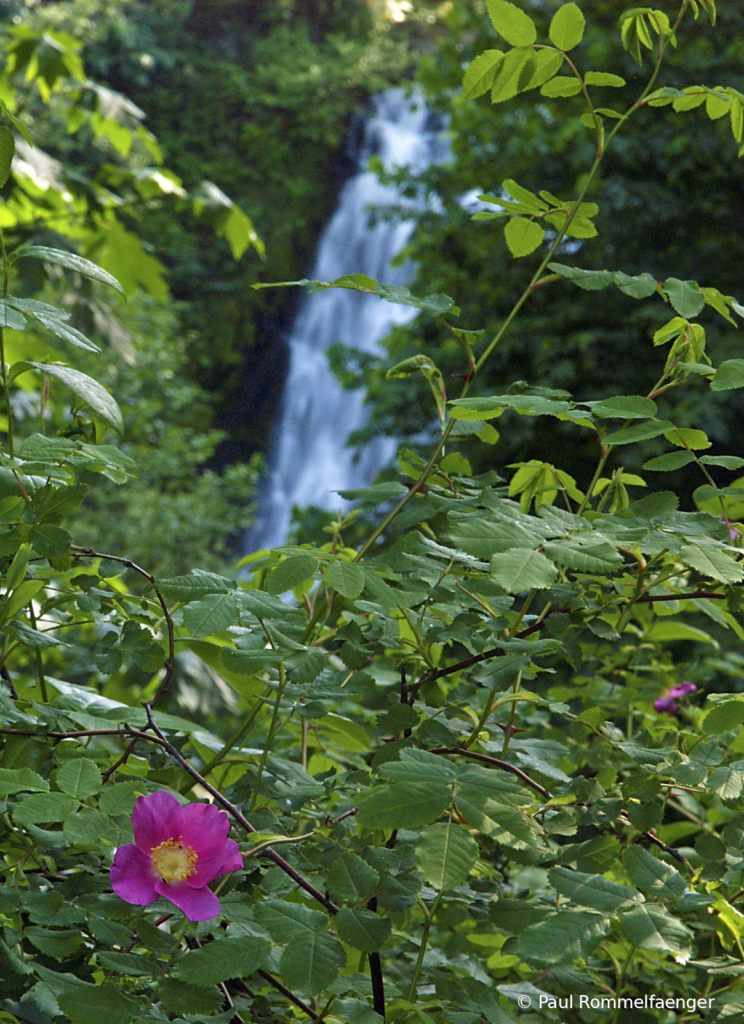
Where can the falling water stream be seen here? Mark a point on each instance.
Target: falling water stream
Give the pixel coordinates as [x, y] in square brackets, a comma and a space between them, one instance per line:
[309, 462]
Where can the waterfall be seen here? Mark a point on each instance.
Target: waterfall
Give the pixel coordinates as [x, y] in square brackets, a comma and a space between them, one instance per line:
[308, 461]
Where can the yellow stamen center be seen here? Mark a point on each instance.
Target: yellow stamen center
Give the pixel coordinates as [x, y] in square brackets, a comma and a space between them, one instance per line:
[172, 862]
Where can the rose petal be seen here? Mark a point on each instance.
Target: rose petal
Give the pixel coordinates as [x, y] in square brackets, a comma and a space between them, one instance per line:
[152, 819]
[226, 860]
[131, 876]
[667, 706]
[196, 904]
[203, 827]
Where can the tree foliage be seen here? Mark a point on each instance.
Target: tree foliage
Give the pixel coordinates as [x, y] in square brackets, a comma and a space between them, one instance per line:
[483, 767]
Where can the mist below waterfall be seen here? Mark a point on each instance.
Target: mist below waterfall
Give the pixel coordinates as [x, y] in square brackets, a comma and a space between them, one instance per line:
[308, 462]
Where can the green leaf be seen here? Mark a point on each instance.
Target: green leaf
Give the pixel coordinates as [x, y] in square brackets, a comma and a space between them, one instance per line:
[567, 27]
[7, 149]
[79, 778]
[668, 463]
[481, 73]
[562, 937]
[587, 554]
[522, 569]
[178, 996]
[95, 396]
[194, 586]
[212, 614]
[345, 577]
[593, 890]
[523, 236]
[21, 780]
[351, 880]
[311, 962]
[589, 280]
[729, 375]
[291, 573]
[89, 828]
[516, 27]
[92, 1004]
[530, 202]
[69, 260]
[284, 920]
[687, 437]
[653, 927]
[403, 805]
[715, 563]
[603, 79]
[510, 74]
[563, 85]
[653, 876]
[723, 717]
[362, 929]
[44, 807]
[223, 959]
[685, 296]
[639, 432]
[20, 598]
[446, 853]
[624, 407]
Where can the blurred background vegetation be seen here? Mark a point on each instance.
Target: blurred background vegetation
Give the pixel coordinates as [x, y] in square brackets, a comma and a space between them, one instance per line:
[203, 148]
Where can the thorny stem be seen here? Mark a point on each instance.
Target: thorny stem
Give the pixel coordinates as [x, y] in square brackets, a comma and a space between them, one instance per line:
[233, 811]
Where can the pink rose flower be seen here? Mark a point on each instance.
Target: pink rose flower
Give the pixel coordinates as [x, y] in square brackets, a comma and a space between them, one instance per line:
[177, 852]
[667, 703]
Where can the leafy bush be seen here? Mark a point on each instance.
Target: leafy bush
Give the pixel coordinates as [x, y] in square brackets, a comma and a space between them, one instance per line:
[477, 765]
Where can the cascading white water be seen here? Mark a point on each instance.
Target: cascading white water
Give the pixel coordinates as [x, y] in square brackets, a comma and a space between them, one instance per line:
[309, 462]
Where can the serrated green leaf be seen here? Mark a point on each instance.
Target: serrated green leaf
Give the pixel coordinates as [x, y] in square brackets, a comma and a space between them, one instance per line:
[593, 890]
[88, 827]
[284, 920]
[653, 927]
[311, 962]
[562, 85]
[446, 853]
[291, 573]
[603, 79]
[403, 805]
[522, 569]
[639, 432]
[481, 73]
[626, 407]
[516, 27]
[714, 563]
[562, 937]
[21, 780]
[685, 296]
[68, 260]
[345, 577]
[212, 614]
[7, 149]
[223, 959]
[723, 717]
[351, 880]
[687, 437]
[531, 202]
[510, 74]
[729, 375]
[523, 236]
[79, 778]
[567, 27]
[177, 996]
[668, 463]
[44, 807]
[362, 929]
[585, 554]
[91, 1004]
[653, 876]
[93, 394]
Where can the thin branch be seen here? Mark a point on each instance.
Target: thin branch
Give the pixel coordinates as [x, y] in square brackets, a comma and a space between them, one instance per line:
[495, 763]
[129, 564]
[375, 972]
[288, 993]
[231, 809]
